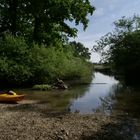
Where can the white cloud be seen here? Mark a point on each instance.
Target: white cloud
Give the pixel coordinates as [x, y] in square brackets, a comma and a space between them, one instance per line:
[107, 11]
[89, 40]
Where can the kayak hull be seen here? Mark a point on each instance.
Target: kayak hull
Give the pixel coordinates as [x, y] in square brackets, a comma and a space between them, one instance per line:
[11, 98]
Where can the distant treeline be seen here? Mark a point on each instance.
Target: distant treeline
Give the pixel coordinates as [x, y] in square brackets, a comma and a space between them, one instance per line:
[121, 49]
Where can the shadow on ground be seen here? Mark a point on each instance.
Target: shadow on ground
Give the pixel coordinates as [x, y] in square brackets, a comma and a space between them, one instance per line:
[122, 128]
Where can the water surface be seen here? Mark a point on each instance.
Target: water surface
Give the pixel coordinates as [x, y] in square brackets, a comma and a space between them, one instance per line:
[104, 94]
[100, 87]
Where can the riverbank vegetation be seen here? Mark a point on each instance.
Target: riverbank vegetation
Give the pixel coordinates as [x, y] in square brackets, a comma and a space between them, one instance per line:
[34, 46]
[121, 48]
[37, 64]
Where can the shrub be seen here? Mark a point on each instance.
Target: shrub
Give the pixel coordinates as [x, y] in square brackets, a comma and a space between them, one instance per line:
[35, 64]
[14, 60]
[42, 87]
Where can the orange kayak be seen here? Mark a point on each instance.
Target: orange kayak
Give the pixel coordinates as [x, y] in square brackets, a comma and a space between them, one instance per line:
[6, 97]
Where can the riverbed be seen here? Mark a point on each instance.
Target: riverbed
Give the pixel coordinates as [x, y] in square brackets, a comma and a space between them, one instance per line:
[102, 109]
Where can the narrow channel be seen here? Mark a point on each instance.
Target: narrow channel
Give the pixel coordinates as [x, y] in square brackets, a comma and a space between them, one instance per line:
[104, 95]
[96, 95]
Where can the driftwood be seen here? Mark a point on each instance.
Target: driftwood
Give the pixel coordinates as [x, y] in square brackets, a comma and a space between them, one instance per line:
[60, 84]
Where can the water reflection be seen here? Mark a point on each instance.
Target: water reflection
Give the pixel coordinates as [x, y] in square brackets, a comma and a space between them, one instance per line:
[103, 94]
[128, 100]
[94, 96]
[55, 100]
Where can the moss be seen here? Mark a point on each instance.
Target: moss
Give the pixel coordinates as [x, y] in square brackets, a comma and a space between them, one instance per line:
[42, 87]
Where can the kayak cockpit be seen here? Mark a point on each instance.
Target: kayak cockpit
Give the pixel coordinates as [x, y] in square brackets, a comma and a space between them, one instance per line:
[10, 96]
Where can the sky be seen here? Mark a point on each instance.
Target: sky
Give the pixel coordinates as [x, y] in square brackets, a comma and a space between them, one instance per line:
[101, 22]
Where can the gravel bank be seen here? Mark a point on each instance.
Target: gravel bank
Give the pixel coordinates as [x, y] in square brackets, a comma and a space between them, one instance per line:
[34, 122]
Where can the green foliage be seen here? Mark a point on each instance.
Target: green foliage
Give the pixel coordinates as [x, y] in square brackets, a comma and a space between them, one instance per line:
[14, 60]
[80, 50]
[122, 48]
[43, 21]
[59, 62]
[41, 87]
[35, 64]
[33, 38]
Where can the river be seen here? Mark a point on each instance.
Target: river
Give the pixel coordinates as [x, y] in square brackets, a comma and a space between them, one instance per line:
[104, 94]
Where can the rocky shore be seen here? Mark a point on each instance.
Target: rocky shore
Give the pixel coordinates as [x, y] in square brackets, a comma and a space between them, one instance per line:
[34, 122]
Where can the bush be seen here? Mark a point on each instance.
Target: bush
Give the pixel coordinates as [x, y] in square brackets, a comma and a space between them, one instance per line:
[14, 60]
[60, 63]
[21, 64]
[41, 87]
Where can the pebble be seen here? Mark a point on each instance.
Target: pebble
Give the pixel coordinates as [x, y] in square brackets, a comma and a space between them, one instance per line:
[34, 123]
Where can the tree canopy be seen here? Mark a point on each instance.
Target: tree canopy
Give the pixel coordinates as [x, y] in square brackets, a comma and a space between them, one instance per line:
[43, 21]
[80, 50]
[33, 40]
[121, 48]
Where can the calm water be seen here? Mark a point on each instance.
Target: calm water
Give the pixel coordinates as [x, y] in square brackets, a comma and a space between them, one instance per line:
[103, 94]
[95, 95]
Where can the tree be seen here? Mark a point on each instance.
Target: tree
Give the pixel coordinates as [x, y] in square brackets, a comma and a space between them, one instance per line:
[121, 48]
[33, 40]
[80, 50]
[43, 20]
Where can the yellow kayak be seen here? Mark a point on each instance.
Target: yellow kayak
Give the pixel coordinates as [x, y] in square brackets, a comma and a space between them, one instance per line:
[10, 97]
